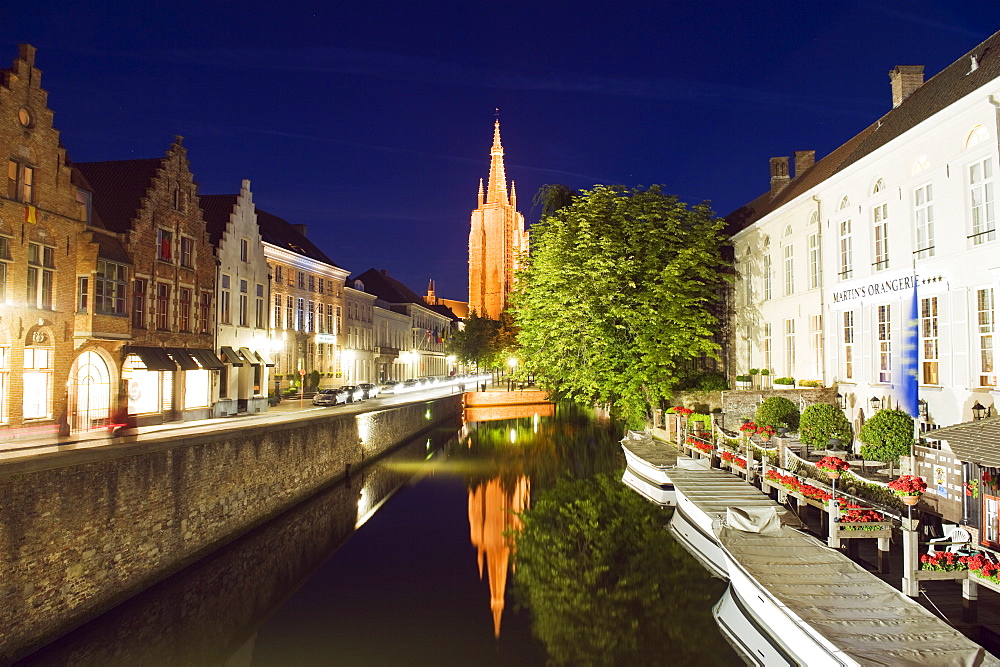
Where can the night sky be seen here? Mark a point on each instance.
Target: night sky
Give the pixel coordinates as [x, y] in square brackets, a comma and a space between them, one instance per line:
[371, 122]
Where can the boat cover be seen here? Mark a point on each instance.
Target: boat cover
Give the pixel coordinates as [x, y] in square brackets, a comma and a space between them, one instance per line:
[863, 616]
[763, 520]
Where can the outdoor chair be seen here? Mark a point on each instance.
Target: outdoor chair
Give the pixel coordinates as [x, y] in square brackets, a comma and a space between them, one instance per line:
[955, 540]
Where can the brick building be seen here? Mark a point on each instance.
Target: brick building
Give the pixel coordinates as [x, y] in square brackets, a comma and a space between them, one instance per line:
[169, 368]
[62, 342]
[496, 239]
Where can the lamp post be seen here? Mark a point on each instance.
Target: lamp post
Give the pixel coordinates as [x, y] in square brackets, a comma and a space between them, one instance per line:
[512, 362]
[876, 403]
[841, 401]
[977, 411]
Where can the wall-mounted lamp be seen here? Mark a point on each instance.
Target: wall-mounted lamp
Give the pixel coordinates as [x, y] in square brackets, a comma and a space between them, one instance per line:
[876, 403]
[978, 411]
[841, 401]
[922, 408]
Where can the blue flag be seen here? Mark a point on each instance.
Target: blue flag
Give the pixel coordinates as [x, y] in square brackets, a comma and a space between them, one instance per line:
[906, 388]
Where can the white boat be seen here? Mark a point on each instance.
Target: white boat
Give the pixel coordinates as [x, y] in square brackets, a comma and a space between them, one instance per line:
[659, 494]
[639, 451]
[748, 638]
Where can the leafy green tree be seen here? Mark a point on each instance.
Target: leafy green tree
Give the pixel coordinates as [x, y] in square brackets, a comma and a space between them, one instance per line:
[617, 295]
[474, 343]
[822, 421]
[553, 197]
[887, 436]
[777, 410]
[606, 583]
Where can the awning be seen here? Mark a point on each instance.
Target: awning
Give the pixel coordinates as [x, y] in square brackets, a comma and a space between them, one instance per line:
[206, 358]
[972, 442]
[153, 358]
[250, 356]
[263, 357]
[183, 359]
[231, 356]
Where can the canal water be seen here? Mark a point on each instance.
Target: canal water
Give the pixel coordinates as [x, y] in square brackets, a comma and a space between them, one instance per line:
[507, 542]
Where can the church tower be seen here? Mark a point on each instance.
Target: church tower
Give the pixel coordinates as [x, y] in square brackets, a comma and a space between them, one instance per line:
[496, 240]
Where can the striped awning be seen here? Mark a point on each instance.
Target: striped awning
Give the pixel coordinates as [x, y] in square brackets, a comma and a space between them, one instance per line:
[232, 357]
[207, 358]
[153, 358]
[183, 359]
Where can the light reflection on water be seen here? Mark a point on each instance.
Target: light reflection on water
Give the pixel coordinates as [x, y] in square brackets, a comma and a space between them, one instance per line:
[412, 561]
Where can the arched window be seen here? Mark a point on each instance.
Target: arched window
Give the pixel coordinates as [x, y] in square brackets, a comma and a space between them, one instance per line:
[788, 231]
[844, 203]
[814, 218]
[921, 164]
[978, 135]
[878, 187]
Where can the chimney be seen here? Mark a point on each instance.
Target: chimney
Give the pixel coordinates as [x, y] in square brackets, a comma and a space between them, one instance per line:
[779, 175]
[803, 160]
[301, 229]
[905, 79]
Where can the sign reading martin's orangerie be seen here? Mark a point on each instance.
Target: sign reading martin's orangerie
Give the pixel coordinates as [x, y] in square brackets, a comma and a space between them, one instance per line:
[496, 239]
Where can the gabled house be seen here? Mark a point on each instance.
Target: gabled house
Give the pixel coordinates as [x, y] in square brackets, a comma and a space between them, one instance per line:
[242, 302]
[169, 366]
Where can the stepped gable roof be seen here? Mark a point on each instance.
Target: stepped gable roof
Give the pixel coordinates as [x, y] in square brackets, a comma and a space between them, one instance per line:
[387, 288]
[217, 209]
[281, 233]
[947, 87]
[119, 187]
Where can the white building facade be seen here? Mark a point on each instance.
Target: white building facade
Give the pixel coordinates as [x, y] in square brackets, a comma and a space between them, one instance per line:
[828, 260]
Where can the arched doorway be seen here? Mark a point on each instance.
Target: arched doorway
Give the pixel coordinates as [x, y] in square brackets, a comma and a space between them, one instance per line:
[90, 392]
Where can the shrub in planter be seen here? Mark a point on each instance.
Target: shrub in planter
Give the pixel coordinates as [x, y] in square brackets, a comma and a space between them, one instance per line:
[788, 381]
[810, 383]
[743, 378]
[887, 436]
[777, 410]
[822, 421]
[700, 421]
[765, 372]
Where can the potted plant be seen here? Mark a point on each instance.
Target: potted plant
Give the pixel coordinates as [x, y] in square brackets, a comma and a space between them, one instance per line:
[972, 488]
[784, 383]
[824, 425]
[908, 488]
[781, 428]
[742, 379]
[833, 466]
[887, 436]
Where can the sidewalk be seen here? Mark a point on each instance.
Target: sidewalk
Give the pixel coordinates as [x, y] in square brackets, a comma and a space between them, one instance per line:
[34, 444]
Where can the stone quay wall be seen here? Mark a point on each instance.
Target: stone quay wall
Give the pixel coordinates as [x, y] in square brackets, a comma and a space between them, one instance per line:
[738, 403]
[82, 531]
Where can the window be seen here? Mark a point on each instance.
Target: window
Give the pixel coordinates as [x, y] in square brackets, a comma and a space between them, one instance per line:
[790, 347]
[329, 319]
[187, 252]
[164, 245]
[244, 304]
[321, 285]
[815, 262]
[878, 187]
[312, 283]
[300, 315]
[985, 319]
[846, 250]
[110, 283]
[767, 277]
[929, 339]
[789, 269]
[20, 182]
[163, 306]
[206, 308]
[225, 299]
[184, 309]
[83, 294]
[816, 333]
[884, 345]
[139, 303]
[880, 227]
[339, 321]
[923, 210]
[4, 258]
[748, 283]
[848, 344]
[981, 201]
[276, 322]
[289, 313]
[37, 379]
[278, 273]
[310, 321]
[41, 265]
[259, 308]
[977, 136]
[244, 250]
[302, 280]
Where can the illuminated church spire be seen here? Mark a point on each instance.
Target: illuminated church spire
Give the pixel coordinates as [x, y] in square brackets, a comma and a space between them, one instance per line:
[497, 191]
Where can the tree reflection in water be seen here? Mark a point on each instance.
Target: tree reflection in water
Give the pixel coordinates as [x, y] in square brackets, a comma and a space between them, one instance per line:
[607, 585]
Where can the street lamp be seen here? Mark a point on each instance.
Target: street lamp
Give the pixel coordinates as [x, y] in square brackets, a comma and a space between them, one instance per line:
[922, 408]
[876, 403]
[841, 401]
[512, 362]
[977, 411]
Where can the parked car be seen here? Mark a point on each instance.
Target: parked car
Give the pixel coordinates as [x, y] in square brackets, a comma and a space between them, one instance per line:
[408, 385]
[329, 397]
[354, 392]
[388, 387]
[370, 390]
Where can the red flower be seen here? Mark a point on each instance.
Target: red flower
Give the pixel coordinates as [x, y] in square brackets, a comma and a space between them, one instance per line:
[833, 464]
[908, 485]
